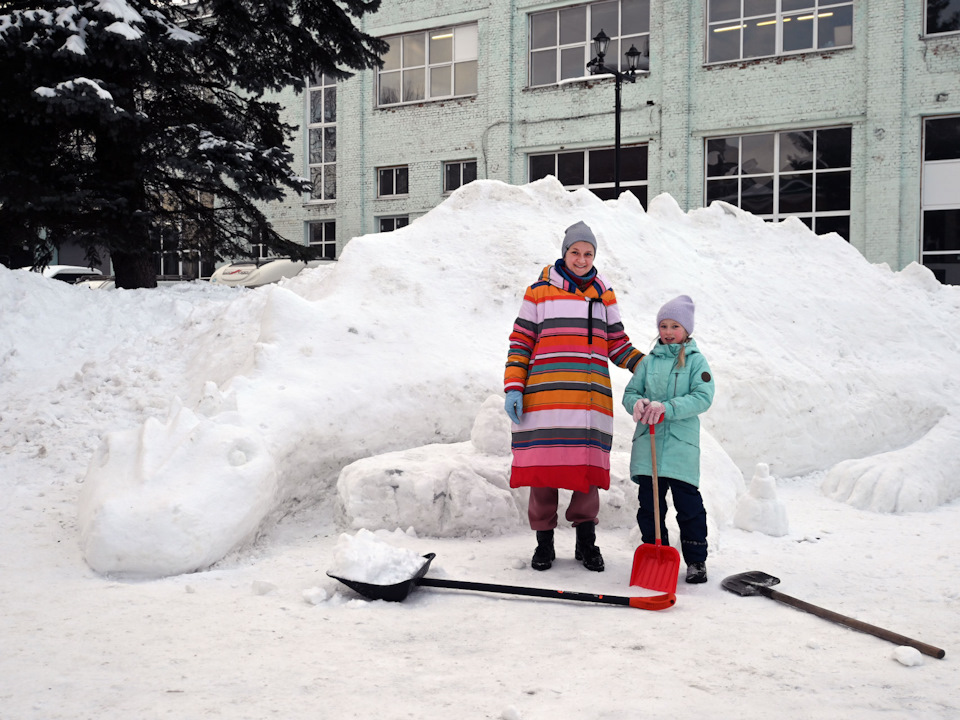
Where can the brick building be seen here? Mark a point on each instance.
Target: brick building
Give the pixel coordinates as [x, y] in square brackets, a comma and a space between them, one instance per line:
[844, 113]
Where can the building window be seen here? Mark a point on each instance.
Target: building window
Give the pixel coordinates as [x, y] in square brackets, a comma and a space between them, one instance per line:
[594, 170]
[392, 181]
[323, 235]
[458, 173]
[392, 222]
[429, 66]
[322, 137]
[800, 173]
[940, 198]
[742, 29]
[561, 41]
[943, 16]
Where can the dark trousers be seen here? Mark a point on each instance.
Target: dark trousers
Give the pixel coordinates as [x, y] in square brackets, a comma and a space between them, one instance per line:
[691, 515]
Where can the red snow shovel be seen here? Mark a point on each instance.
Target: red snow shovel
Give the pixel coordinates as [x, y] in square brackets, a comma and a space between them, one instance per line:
[656, 566]
[396, 592]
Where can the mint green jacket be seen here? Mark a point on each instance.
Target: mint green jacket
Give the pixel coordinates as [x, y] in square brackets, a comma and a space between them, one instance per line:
[685, 393]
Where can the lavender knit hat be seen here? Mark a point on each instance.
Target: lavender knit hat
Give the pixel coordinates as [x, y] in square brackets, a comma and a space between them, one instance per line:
[578, 232]
[679, 309]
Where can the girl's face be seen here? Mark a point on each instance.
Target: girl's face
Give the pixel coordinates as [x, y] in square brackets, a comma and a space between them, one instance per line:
[579, 258]
[672, 332]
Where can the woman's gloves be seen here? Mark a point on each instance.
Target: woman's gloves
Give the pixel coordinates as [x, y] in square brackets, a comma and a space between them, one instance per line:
[648, 412]
[514, 405]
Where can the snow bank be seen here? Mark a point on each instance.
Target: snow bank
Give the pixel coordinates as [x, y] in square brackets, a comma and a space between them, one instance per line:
[817, 357]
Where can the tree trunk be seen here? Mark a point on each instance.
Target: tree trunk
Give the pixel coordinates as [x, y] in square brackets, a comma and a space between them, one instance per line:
[134, 270]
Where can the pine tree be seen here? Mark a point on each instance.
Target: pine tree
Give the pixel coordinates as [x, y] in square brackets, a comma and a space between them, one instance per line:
[122, 120]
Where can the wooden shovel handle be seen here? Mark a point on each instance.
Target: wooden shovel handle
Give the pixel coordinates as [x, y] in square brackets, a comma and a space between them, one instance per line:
[656, 485]
[850, 622]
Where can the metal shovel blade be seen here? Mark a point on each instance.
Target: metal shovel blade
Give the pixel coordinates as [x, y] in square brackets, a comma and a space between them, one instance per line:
[655, 567]
[395, 592]
[749, 583]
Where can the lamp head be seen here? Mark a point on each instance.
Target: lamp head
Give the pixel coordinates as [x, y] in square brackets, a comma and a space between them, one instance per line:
[600, 43]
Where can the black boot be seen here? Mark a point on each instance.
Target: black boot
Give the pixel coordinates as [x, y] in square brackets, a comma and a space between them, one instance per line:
[544, 555]
[587, 551]
[697, 572]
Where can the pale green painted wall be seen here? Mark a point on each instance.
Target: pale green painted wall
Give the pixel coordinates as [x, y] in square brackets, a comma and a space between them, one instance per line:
[883, 87]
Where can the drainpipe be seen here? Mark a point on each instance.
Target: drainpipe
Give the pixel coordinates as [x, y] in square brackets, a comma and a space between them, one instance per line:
[901, 226]
[688, 134]
[363, 144]
[510, 91]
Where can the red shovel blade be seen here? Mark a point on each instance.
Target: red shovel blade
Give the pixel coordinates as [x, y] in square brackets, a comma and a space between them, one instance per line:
[656, 567]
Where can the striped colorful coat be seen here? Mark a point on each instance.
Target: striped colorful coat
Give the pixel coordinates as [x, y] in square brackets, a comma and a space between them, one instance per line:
[559, 348]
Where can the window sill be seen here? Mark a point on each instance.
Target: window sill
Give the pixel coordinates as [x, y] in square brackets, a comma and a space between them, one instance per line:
[584, 81]
[799, 55]
[953, 34]
[430, 101]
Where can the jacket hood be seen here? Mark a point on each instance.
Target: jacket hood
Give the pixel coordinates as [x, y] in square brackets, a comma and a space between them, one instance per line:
[674, 349]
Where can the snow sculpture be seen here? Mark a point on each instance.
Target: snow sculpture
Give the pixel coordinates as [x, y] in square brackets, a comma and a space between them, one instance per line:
[174, 497]
[759, 509]
[891, 482]
[439, 490]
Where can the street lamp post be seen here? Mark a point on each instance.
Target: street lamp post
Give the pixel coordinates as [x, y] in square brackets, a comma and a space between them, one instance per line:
[597, 67]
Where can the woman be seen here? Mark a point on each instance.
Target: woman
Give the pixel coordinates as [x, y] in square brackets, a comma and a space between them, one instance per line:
[559, 397]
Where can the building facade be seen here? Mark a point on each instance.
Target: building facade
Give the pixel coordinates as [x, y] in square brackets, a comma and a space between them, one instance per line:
[843, 113]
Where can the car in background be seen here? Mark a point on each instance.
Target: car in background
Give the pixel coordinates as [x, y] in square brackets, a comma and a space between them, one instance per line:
[109, 282]
[254, 273]
[68, 273]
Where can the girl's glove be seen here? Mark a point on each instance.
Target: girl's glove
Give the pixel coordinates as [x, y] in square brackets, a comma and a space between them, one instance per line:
[638, 409]
[514, 405]
[652, 414]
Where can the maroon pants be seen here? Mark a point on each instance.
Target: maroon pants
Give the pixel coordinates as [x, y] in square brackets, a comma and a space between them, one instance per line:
[542, 507]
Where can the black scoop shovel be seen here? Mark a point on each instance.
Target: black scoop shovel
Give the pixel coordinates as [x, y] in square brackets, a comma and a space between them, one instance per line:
[398, 591]
[756, 582]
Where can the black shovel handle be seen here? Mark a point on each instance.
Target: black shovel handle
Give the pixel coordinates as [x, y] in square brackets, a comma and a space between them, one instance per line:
[654, 602]
[850, 622]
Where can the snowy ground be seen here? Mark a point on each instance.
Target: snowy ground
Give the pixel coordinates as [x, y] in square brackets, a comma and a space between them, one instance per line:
[224, 410]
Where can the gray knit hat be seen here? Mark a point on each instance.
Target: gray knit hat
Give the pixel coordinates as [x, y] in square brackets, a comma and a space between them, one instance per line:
[578, 232]
[679, 309]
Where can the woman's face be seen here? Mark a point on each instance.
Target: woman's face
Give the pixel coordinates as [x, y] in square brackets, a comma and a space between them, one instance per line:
[671, 332]
[579, 258]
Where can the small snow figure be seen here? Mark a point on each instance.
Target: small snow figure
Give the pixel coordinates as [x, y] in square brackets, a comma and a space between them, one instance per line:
[510, 713]
[759, 509]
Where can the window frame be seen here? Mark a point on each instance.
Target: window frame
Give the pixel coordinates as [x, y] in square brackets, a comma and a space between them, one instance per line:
[461, 56]
[396, 219]
[926, 23]
[809, 217]
[940, 196]
[463, 167]
[777, 19]
[594, 186]
[397, 171]
[327, 241]
[324, 171]
[640, 39]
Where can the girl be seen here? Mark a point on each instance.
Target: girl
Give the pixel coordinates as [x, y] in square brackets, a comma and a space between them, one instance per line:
[673, 385]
